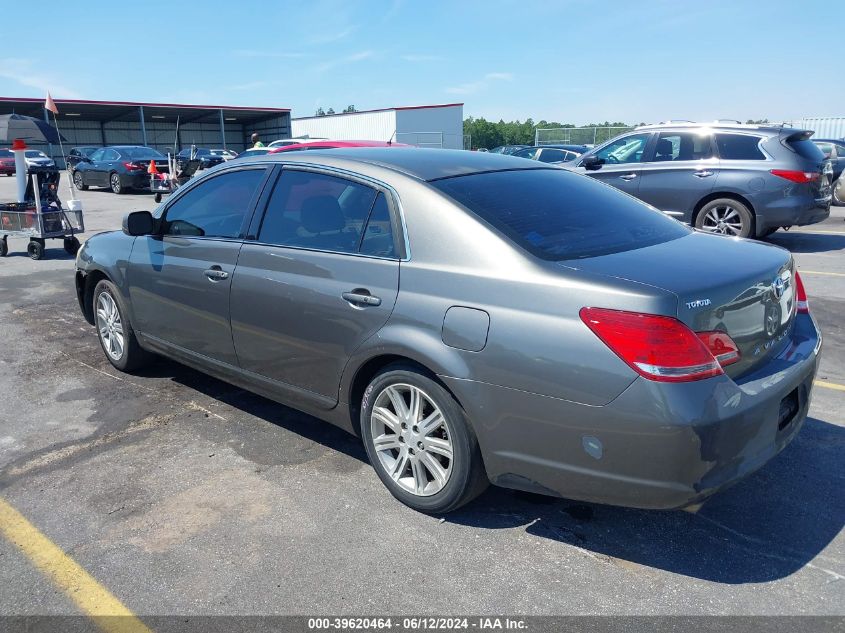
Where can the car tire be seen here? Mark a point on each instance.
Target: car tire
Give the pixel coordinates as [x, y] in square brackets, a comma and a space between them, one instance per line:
[79, 181]
[725, 216]
[115, 185]
[115, 333]
[838, 193]
[71, 245]
[432, 470]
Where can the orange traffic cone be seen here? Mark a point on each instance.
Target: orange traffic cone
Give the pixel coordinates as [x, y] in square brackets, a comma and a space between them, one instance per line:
[152, 169]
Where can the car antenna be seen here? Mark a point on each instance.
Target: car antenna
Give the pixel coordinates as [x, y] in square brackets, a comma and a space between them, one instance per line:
[390, 140]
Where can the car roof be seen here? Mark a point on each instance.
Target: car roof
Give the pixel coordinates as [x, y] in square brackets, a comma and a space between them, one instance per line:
[770, 128]
[334, 144]
[424, 164]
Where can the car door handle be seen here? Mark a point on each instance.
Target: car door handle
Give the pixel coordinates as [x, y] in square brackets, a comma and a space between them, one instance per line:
[215, 274]
[702, 173]
[630, 176]
[361, 298]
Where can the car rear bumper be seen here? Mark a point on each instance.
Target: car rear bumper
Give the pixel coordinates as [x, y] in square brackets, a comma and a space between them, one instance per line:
[793, 211]
[7, 169]
[657, 445]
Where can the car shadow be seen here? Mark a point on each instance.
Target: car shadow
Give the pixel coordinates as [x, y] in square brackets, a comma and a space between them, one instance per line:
[798, 242]
[49, 253]
[766, 527]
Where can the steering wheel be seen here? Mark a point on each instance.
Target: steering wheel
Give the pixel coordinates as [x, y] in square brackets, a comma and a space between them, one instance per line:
[612, 160]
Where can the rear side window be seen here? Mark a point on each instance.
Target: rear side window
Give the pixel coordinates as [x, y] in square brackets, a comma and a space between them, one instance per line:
[739, 147]
[682, 146]
[318, 211]
[558, 215]
[214, 208]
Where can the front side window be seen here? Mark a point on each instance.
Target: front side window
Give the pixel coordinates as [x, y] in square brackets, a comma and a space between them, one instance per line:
[217, 207]
[628, 149]
[530, 152]
[739, 147]
[323, 212]
[682, 146]
[558, 215]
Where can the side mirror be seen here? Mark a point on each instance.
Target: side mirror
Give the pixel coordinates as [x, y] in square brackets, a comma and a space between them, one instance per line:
[592, 163]
[138, 223]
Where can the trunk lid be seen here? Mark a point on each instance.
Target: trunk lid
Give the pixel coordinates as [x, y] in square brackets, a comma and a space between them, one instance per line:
[743, 288]
[813, 160]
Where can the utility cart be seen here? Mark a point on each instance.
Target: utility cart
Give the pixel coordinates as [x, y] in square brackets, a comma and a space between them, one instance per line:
[41, 217]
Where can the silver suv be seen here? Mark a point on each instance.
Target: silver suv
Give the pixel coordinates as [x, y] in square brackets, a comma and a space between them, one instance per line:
[735, 179]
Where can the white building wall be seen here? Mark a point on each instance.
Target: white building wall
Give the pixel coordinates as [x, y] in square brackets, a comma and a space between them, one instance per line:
[824, 127]
[354, 126]
[431, 127]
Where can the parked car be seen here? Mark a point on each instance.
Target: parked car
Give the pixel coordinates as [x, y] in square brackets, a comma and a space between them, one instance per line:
[834, 151]
[551, 153]
[208, 158]
[76, 154]
[227, 154]
[507, 149]
[734, 179]
[7, 162]
[253, 151]
[312, 145]
[37, 158]
[284, 142]
[119, 168]
[546, 333]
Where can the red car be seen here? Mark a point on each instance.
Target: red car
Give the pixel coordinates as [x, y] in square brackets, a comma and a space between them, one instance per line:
[333, 145]
[7, 162]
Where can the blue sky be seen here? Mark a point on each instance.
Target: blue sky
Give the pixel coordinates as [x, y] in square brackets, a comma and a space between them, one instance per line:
[570, 61]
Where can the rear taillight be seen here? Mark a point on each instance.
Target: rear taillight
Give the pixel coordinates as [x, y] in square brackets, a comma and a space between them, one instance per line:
[721, 346]
[801, 296]
[657, 347]
[800, 177]
[131, 166]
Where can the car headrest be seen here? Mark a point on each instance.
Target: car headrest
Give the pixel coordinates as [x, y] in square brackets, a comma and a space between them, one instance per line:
[664, 147]
[321, 214]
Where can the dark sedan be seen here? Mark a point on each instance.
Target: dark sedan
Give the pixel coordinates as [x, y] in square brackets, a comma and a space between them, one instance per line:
[551, 153]
[207, 157]
[119, 168]
[77, 154]
[547, 332]
[507, 149]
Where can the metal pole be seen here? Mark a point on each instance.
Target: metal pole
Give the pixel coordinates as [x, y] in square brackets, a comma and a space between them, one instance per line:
[222, 129]
[102, 134]
[143, 126]
[47, 119]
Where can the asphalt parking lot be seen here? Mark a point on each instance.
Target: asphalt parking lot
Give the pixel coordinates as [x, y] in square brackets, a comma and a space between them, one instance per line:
[184, 495]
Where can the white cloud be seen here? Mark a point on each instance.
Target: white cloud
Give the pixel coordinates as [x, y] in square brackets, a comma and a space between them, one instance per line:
[248, 52]
[422, 58]
[482, 84]
[22, 71]
[343, 61]
[341, 34]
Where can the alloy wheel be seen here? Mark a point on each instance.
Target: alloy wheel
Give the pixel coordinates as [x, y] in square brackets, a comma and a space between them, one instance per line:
[723, 219]
[412, 439]
[115, 183]
[110, 326]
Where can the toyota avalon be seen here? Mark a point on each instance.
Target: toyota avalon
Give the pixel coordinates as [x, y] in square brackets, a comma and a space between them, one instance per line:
[473, 318]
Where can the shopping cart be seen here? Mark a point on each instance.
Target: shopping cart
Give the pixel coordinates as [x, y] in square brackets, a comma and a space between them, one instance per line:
[41, 217]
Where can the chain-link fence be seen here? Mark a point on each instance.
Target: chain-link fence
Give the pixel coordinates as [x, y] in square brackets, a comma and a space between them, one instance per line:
[576, 135]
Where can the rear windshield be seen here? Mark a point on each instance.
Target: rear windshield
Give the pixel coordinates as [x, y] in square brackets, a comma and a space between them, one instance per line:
[5, 153]
[137, 153]
[807, 149]
[557, 215]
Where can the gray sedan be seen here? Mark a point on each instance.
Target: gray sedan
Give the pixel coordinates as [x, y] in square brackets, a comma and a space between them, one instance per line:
[474, 318]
